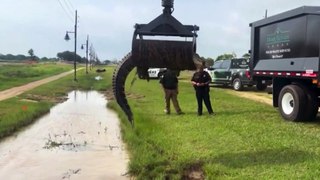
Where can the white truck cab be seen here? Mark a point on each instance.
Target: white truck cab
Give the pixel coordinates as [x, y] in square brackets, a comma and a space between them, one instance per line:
[156, 72]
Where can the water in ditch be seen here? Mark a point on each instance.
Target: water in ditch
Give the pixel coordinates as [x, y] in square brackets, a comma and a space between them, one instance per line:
[78, 139]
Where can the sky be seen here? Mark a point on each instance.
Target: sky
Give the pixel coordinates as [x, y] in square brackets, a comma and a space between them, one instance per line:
[42, 24]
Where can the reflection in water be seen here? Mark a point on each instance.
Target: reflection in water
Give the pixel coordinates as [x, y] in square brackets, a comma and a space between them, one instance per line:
[78, 139]
[75, 95]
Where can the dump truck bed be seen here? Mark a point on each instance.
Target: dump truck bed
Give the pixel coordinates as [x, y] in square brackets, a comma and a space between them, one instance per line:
[279, 48]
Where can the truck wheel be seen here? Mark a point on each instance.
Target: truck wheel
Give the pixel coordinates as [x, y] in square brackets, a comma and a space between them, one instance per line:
[292, 103]
[160, 74]
[260, 86]
[237, 84]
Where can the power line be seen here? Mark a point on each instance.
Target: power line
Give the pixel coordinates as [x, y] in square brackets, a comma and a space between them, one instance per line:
[68, 6]
[64, 9]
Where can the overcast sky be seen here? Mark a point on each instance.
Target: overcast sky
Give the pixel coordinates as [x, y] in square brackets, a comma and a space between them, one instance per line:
[41, 24]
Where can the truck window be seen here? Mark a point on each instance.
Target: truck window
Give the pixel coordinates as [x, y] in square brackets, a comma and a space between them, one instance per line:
[239, 64]
[217, 64]
[226, 64]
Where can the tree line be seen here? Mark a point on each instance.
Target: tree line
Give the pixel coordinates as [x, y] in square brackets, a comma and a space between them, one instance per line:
[21, 57]
[66, 56]
[210, 61]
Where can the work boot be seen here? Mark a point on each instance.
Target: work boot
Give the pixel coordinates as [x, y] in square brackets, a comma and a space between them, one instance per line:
[180, 113]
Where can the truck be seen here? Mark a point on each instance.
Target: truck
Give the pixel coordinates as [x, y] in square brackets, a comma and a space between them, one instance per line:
[234, 72]
[156, 72]
[285, 50]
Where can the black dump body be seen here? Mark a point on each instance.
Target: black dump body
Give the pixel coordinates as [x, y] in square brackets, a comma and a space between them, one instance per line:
[286, 44]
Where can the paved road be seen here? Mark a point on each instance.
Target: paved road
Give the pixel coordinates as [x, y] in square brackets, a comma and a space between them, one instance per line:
[12, 92]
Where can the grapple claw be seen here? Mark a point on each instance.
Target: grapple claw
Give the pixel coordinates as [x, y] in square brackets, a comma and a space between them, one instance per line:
[149, 53]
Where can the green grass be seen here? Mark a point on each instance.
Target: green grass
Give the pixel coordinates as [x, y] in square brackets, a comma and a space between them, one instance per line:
[19, 74]
[16, 113]
[245, 140]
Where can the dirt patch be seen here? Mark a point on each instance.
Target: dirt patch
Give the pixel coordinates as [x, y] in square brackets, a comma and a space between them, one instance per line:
[266, 99]
[110, 96]
[37, 98]
[193, 172]
[29, 100]
[135, 96]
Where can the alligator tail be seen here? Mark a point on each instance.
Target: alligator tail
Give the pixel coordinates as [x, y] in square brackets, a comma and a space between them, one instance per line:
[118, 82]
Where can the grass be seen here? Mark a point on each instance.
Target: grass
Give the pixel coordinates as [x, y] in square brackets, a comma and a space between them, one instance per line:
[245, 140]
[18, 74]
[16, 112]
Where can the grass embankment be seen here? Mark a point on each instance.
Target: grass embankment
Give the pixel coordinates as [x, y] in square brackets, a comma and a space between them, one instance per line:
[245, 140]
[26, 108]
[18, 74]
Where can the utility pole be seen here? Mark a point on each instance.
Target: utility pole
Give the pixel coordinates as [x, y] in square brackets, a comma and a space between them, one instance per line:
[87, 46]
[67, 38]
[75, 47]
[87, 42]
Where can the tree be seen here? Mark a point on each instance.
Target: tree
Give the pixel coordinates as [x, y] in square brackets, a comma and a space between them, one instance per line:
[10, 57]
[226, 56]
[68, 56]
[31, 53]
[209, 61]
[106, 62]
[44, 59]
[21, 57]
[246, 55]
[97, 60]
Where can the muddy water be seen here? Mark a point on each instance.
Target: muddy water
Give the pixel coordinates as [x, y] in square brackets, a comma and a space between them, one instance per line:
[78, 139]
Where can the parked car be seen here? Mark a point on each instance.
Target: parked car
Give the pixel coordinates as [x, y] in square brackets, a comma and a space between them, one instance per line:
[233, 72]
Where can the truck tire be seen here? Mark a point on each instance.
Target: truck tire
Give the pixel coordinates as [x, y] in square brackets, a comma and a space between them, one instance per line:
[311, 109]
[237, 84]
[292, 103]
[160, 74]
[260, 86]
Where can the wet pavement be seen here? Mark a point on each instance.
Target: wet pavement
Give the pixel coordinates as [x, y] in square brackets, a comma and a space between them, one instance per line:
[78, 139]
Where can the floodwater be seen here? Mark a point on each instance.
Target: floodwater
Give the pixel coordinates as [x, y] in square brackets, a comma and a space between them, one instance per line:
[78, 139]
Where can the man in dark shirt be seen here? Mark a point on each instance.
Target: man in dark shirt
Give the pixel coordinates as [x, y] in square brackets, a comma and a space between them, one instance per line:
[200, 82]
[169, 83]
